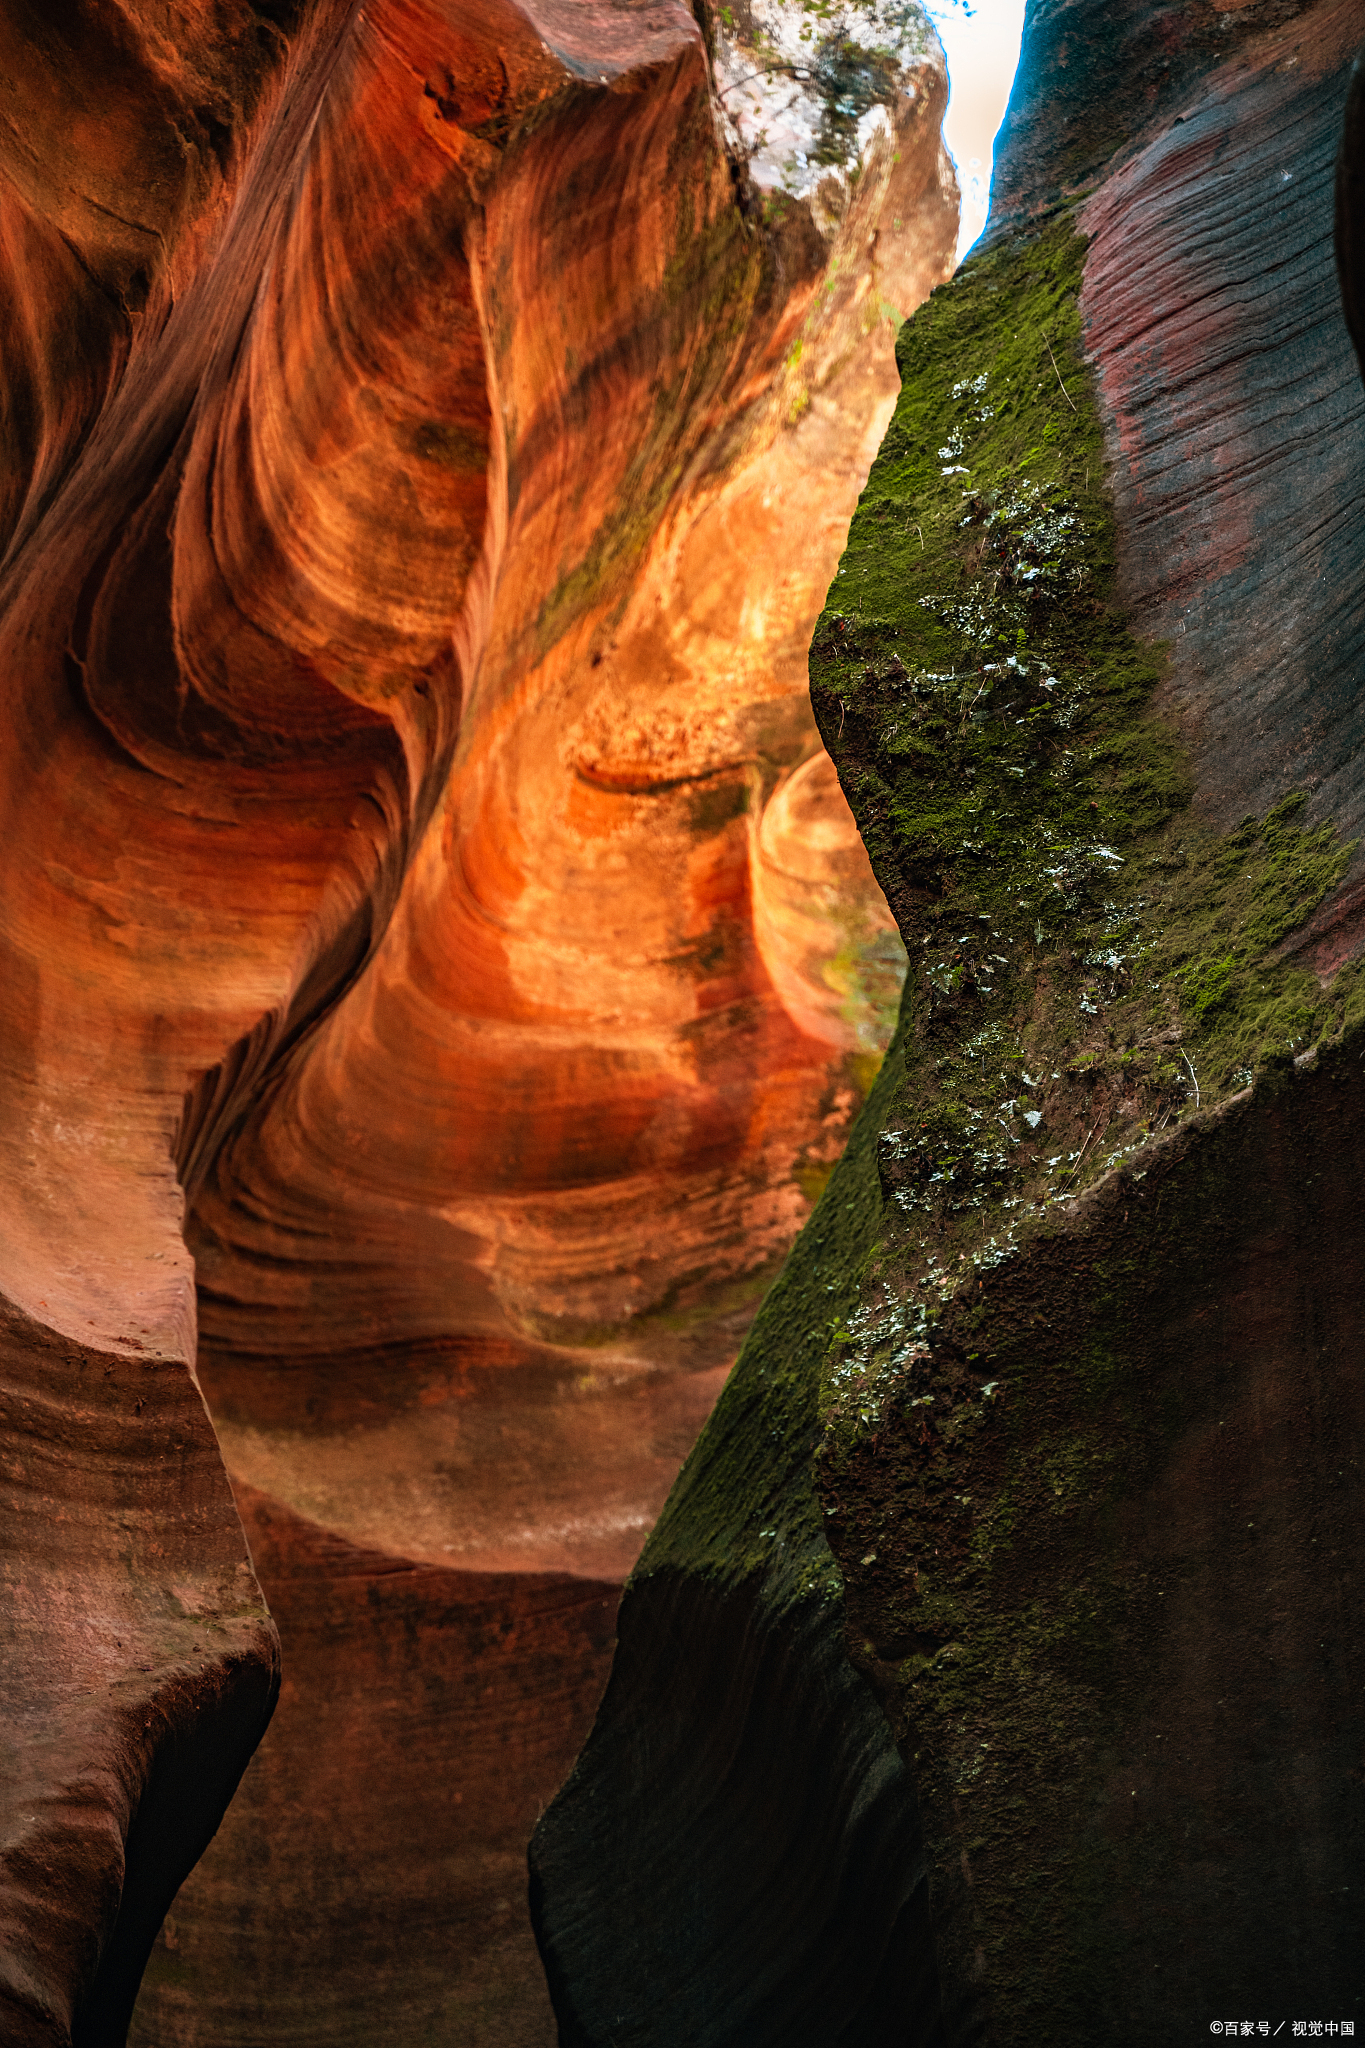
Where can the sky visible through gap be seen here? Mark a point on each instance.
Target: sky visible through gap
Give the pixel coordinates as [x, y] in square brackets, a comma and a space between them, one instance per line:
[981, 38]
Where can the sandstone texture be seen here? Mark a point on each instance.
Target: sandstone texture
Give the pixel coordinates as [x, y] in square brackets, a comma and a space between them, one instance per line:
[439, 968]
[1053, 1423]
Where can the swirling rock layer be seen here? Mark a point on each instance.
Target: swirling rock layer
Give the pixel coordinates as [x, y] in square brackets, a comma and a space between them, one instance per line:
[1069, 1402]
[427, 897]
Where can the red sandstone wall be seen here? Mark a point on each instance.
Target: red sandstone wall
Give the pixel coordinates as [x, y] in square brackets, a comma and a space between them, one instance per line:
[419, 856]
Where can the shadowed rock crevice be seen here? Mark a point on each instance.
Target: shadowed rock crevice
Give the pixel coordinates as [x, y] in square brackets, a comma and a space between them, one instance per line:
[140, 1672]
[771, 1773]
[739, 1827]
[198, 1765]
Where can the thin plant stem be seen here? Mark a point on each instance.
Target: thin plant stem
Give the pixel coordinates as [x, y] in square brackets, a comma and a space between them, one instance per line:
[1053, 360]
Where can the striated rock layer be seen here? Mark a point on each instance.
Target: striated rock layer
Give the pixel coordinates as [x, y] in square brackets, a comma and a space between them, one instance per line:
[1053, 1422]
[427, 903]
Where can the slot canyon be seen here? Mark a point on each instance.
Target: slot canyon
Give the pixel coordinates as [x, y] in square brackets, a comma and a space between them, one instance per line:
[682, 1027]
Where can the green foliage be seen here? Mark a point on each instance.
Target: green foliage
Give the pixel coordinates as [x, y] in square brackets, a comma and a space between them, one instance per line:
[850, 79]
[847, 54]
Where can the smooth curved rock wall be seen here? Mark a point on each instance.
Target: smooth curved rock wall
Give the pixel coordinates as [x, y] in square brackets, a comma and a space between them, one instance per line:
[439, 972]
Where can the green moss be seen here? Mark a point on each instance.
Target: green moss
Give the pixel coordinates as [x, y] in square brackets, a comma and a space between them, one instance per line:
[1027, 1566]
[813, 1179]
[1089, 960]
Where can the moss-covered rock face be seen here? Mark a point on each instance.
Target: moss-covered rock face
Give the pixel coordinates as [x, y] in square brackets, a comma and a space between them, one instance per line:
[1089, 959]
[1097, 1530]
[1093, 1426]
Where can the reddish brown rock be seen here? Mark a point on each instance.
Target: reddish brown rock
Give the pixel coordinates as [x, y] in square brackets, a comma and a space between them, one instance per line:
[429, 1715]
[139, 1673]
[1237, 418]
[429, 450]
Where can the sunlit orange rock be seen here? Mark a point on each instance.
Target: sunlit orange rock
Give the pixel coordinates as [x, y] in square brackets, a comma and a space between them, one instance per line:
[425, 898]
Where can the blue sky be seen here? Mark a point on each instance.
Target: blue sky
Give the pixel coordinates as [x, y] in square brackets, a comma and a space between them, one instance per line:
[981, 38]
